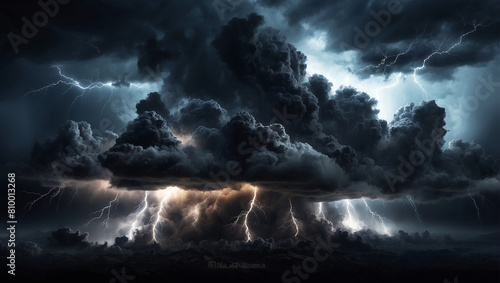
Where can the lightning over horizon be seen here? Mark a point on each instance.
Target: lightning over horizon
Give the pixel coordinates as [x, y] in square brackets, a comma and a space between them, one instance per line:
[476, 206]
[414, 206]
[294, 221]
[381, 219]
[138, 216]
[262, 140]
[244, 214]
[101, 213]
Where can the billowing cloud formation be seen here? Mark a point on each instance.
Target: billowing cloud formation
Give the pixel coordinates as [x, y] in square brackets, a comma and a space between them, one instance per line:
[73, 153]
[198, 113]
[152, 103]
[66, 238]
[293, 136]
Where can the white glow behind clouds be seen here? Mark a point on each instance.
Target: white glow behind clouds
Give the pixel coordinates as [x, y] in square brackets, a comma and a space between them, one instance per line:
[398, 89]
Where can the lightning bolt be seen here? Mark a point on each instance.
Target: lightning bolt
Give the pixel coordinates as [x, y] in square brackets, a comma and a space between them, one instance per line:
[71, 82]
[351, 221]
[93, 46]
[30, 204]
[244, 215]
[294, 221]
[196, 210]
[138, 216]
[321, 216]
[437, 52]
[398, 77]
[386, 62]
[101, 212]
[157, 221]
[381, 219]
[414, 208]
[477, 207]
[168, 192]
[383, 61]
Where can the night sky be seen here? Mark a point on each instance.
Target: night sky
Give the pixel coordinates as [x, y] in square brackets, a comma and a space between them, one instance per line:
[257, 126]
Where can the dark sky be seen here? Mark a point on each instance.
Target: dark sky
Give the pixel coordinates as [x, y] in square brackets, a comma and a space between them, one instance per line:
[310, 101]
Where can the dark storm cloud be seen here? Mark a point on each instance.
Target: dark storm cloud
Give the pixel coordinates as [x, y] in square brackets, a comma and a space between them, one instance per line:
[148, 154]
[152, 103]
[28, 248]
[149, 150]
[265, 60]
[414, 146]
[296, 136]
[351, 116]
[198, 113]
[151, 57]
[73, 153]
[381, 28]
[67, 238]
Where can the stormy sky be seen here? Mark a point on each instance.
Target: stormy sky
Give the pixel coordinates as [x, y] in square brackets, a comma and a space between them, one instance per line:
[199, 115]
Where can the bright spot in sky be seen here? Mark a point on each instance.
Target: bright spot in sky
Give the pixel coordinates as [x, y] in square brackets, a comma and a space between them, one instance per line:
[317, 42]
[391, 92]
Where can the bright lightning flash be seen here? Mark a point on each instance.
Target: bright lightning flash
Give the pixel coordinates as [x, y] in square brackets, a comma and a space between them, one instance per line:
[244, 214]
[294, 221]
[321, 216]
[165, 195]
[138, 216]
[351, 221]
[375, 215]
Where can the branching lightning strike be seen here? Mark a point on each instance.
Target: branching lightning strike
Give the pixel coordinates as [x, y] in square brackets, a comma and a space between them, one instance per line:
[437, 52]
[321, 216]
[244, 215]
[351, 221]
[138, 216]
[168, 193]
[71, 82]
[101, 213]
[412, 203]
[30, 204]
[381, 219]
[294, 221]
[158, 217]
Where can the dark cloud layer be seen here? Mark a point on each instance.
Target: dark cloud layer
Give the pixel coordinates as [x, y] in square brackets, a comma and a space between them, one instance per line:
[318, 145]
[234, 104]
